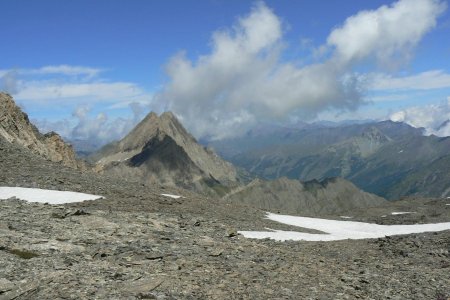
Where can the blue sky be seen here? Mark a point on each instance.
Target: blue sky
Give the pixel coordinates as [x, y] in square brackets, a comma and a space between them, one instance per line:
[92, 69]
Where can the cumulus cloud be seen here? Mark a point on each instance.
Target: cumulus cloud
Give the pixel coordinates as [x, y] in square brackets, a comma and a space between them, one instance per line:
[390, 32]
[77, 88]
[435, 118]
[95, 130]
[243, 78]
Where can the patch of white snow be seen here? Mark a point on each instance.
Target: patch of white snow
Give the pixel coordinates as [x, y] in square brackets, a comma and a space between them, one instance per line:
[338, 230]
[346, 217]
[395, 213]
[172, 196]
[45, 196]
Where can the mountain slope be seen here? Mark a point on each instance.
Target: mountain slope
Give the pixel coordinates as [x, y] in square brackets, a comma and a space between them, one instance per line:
[374, 156]
[160, 150]
[15, 127]
[334, 195]
[432, 180]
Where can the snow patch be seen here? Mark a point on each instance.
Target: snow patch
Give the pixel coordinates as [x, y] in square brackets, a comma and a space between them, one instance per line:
[346, 217]
[45, 196]
[172, 196]
[395, 213]
[337, 230]
[400, 151]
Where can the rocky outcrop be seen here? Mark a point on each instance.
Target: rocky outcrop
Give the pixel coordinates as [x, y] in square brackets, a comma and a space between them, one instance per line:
[160, 150]
[334, 195]
[15, 127]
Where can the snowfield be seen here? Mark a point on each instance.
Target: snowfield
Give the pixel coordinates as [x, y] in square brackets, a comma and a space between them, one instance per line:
[45, 196]
[396, 213]
[172, 196]
[337, 230]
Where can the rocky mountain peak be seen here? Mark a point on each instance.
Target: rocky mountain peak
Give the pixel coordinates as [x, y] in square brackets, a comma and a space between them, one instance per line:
[162, 149]
[168, 115]
[15, 127]
[374, 134]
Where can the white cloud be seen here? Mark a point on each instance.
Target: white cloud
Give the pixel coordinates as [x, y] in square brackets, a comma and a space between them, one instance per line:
[78, 89]
[104, 91]
[243, 79]
[72, 84]
[386, 33]
[96, 129]
[435, 118]
[66, 70]
[434, 79]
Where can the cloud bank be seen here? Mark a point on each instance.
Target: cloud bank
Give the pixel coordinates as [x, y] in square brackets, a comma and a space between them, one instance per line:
[244, 78]
[78, 89]
[94, 130]
[434, 118]
[69, 84]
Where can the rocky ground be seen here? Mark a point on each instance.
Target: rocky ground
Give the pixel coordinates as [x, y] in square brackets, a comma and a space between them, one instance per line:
[137, 244]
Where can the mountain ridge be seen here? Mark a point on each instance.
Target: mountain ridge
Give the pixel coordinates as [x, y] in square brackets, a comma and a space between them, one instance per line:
[329, 196]
[15, 127]
[375, 156]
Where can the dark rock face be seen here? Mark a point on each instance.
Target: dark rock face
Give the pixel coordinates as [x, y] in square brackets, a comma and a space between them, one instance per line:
[15, 127]
[160, 150]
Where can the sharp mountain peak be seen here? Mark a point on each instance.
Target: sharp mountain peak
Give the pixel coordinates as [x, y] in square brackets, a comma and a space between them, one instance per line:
[157, 144]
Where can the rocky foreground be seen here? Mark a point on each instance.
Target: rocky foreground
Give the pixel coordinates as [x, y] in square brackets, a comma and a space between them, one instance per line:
[137, 244]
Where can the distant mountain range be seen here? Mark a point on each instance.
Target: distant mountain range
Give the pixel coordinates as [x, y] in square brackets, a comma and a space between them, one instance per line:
[386, 158]
[160, 151]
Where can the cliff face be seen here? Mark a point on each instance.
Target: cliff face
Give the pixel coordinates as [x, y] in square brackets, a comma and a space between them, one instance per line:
[15, 127]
